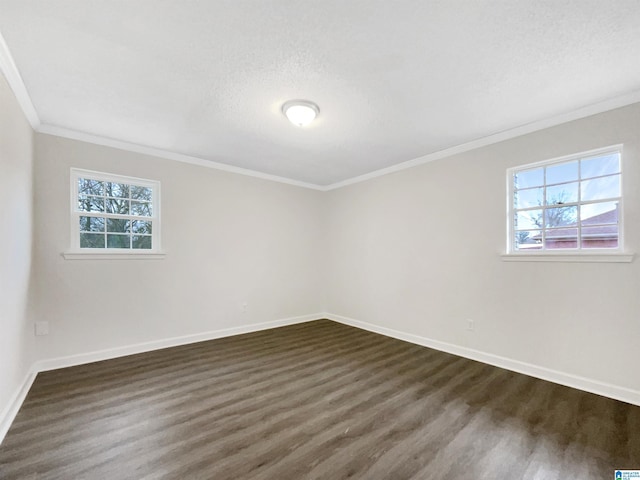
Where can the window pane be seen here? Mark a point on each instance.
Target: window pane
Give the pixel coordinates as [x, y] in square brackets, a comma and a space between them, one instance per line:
[118, 225]
[529, 178]
[601, 165]
[558, 217]
[120, 190]
[599, 188]
[141, 193]
[599, 213]
[90, 204]
[91, 224]
[142, 242]
[87, 186]
[114, 212]
[565, 193]
[141, 226]
[529, 220]
[117, 205]
[563, 172]
[561, 238]
[573, 205]
[531, 197]
[91, 240]
[528, 240]
[605, 236]
[118, 241]
[142, 209]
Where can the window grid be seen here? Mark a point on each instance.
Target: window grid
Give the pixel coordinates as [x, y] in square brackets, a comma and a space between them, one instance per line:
[127, 206]
[546, 230]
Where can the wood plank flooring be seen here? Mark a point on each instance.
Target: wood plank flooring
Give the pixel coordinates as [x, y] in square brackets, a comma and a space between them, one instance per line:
[317, 400]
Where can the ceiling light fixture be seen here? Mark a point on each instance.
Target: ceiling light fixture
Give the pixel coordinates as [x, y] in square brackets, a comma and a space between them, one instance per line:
[300, 112]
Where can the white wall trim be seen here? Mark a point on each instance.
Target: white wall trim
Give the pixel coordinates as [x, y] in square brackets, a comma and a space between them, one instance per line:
[96, 356]
[600, 107]
[10, 71]
[11, 410]
[555, 376]
[612, 391]
[113, 256]
[593, 109]
[568, 257]
[14, 79]
[157, 152]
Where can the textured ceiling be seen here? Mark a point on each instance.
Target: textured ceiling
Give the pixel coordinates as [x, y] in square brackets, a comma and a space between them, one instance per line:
[395, 80]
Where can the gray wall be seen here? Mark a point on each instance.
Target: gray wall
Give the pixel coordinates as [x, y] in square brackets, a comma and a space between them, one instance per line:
[229, 239]
[418, 252]
[16, 221]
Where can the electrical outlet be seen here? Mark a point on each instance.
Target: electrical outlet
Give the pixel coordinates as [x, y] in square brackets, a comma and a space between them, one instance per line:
[471, 326]
[41, 328]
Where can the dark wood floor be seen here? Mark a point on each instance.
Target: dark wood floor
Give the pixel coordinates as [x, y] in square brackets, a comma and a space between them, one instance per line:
[313, 401]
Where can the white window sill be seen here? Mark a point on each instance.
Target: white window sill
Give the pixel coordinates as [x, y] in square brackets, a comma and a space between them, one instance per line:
[112, 256]
[569, 257]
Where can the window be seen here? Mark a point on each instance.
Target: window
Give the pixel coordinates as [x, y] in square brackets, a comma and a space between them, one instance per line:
[573, 203]
[114, 214]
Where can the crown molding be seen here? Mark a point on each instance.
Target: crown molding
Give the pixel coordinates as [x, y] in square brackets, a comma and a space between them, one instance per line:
[14, 79]
[596, 108]
[593, 109]
[11, 73]
[157, 152]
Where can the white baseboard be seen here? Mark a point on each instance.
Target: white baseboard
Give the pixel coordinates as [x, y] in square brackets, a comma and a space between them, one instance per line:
[612, 391]
[96, 356]
[562, 378]
[11, 410]
[9, 413]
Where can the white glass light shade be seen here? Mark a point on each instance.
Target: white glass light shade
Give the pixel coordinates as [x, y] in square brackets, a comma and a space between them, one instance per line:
[300, 112]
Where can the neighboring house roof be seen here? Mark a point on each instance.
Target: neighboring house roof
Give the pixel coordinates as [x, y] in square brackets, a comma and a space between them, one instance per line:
[607, 217]
[601, 231]
[592, 227]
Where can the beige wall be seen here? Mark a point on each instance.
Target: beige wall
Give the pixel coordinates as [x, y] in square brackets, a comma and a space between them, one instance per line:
[16, 221]
[229, 239]
[418, 251]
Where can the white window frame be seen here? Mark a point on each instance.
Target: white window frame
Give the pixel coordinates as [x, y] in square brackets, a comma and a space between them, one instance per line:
[577, 254]
[75, 252]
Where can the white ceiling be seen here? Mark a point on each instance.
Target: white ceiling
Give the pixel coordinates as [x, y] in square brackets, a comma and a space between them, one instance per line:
[395, 80]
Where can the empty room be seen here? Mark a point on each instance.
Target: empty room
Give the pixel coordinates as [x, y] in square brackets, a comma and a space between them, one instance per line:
[277, 239]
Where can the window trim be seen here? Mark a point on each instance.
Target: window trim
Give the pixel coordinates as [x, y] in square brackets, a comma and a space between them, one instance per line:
[569, 257]
[77, 253]
[617, 254]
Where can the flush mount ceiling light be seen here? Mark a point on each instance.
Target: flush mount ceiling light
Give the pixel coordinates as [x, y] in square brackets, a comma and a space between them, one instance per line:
[300, 112]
